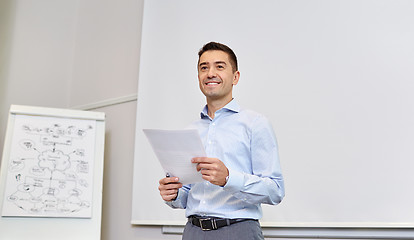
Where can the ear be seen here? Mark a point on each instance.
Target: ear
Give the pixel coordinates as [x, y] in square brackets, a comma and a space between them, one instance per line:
[236, 78]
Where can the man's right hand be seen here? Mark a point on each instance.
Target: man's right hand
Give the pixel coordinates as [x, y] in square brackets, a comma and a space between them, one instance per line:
[169, 188]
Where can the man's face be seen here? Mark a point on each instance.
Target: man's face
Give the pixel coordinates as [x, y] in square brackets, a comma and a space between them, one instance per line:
[215, 75]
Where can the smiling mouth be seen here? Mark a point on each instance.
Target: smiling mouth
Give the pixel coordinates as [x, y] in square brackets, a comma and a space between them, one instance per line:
[212, 83]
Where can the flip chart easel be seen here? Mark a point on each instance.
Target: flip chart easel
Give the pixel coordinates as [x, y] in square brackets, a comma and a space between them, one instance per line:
[56, 186]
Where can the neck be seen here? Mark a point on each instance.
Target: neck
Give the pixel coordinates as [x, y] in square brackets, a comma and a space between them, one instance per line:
[214, 106]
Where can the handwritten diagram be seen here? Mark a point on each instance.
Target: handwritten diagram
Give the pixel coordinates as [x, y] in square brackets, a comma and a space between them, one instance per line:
[50, 169]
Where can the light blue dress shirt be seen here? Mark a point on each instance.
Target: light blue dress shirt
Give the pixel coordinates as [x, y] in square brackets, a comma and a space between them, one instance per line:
[245, 142]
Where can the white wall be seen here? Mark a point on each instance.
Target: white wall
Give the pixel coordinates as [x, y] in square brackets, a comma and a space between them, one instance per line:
[106, 55]
[41, 47]
[68, 53]
[7, 8]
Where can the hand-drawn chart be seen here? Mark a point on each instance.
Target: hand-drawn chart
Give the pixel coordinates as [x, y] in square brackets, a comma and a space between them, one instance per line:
[50, 170]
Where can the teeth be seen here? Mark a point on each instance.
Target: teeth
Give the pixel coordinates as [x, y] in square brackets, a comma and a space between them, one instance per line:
[212, 83]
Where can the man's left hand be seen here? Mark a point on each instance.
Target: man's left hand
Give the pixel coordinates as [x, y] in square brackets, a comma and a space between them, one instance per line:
[212, 170]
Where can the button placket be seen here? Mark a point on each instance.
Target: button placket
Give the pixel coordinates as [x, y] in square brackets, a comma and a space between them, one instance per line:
[210, 137]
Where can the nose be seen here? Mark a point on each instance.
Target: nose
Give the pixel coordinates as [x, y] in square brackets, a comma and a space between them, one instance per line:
[211, 73]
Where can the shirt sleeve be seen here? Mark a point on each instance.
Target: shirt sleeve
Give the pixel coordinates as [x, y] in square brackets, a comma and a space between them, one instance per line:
[265, 184]
[181, 200]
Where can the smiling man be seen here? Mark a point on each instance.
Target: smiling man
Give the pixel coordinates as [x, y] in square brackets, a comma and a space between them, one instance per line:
[242, 170]
[217, 75]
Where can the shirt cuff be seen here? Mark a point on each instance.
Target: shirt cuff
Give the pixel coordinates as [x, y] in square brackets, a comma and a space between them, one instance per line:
[235, 182]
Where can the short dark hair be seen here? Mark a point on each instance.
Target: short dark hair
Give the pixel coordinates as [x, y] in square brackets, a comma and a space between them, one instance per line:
[220, 47]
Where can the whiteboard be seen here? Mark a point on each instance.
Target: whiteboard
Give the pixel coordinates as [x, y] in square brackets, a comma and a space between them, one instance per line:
[51, 174]
[334, 77]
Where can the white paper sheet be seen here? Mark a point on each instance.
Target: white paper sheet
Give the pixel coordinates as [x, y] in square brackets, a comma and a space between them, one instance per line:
[50, 170]
[175, 149]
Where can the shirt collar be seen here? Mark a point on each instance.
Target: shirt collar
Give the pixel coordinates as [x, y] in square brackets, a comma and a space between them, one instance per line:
[232, 106]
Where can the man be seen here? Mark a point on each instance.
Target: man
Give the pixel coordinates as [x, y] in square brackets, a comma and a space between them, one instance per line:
[242, 169]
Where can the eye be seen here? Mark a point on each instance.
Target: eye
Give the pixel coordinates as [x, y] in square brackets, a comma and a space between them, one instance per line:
[220, 66]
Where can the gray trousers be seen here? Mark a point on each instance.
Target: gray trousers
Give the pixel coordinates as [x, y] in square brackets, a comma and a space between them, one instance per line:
[246, 230]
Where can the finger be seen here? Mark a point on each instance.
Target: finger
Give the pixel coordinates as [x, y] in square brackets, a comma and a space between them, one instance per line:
[169, 192]
[207, 178]
[201, 166]
[206, 172]
[163, 181]
[211, 175]
[201, 160]
[170, 186]
[169, 197]
[169, 180]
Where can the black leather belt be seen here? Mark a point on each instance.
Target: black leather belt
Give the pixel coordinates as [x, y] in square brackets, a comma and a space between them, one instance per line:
[209, 223]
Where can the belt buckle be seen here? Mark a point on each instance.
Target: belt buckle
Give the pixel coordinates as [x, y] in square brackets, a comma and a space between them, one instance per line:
[207, 220]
